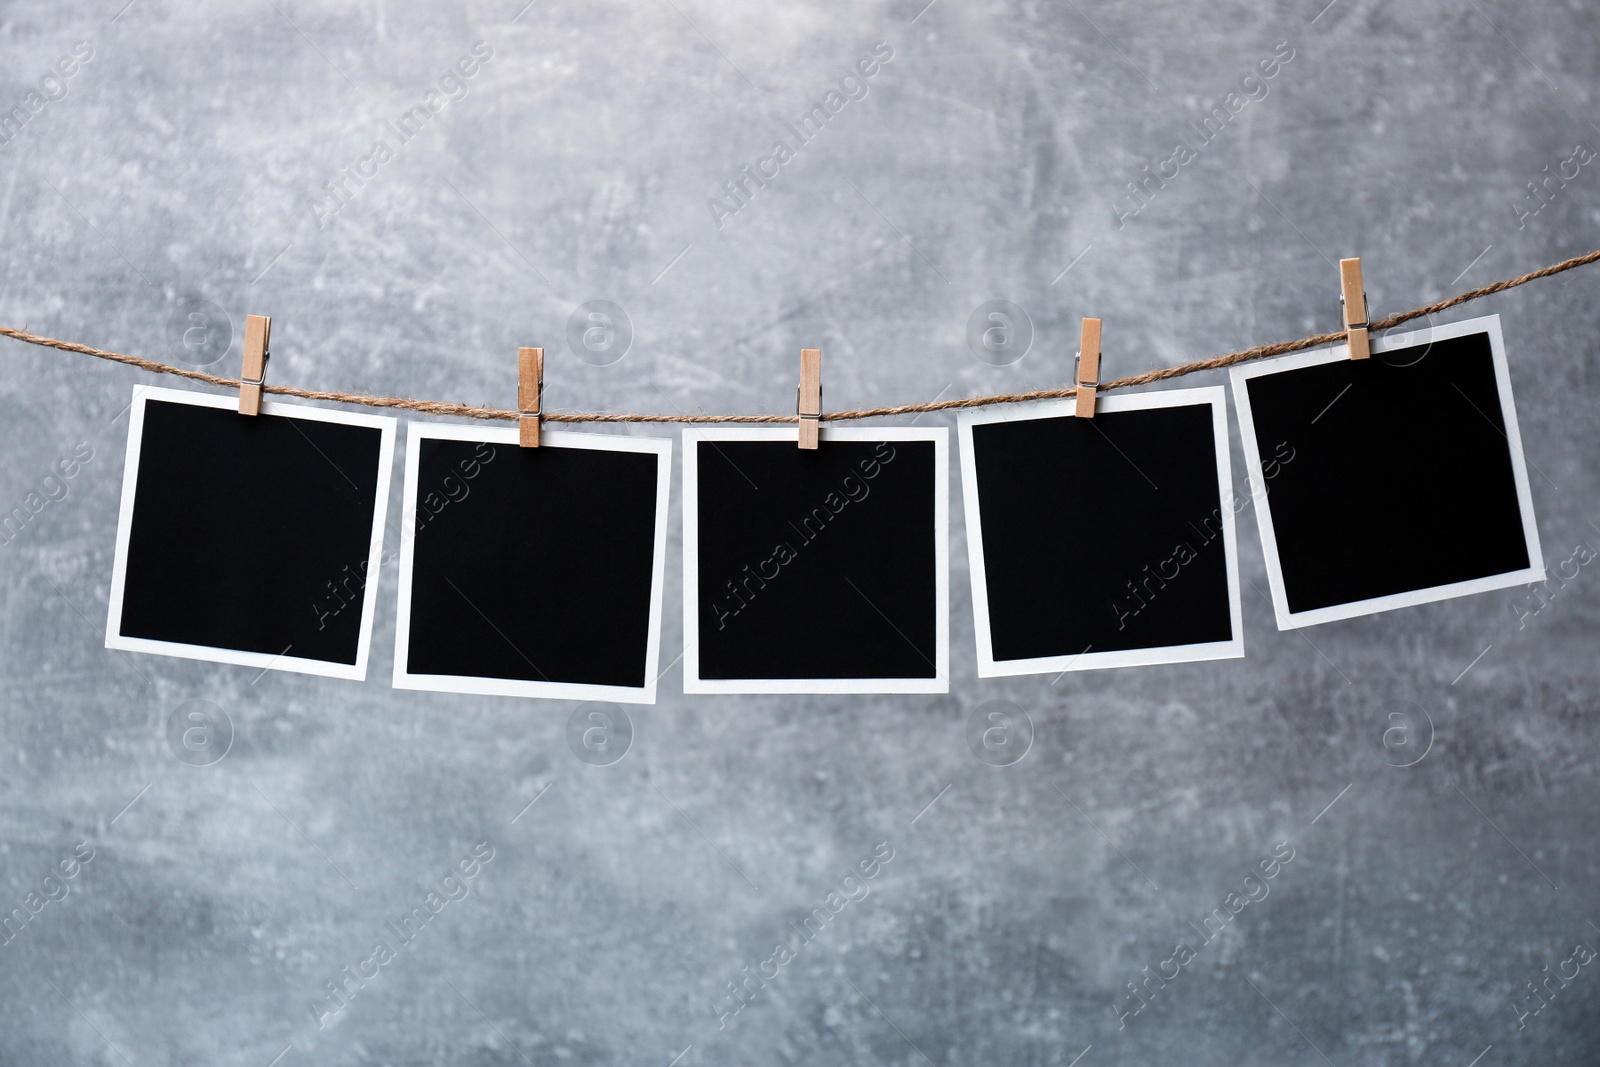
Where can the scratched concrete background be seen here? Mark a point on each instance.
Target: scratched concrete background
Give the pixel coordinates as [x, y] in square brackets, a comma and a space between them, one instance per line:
[1432, 770]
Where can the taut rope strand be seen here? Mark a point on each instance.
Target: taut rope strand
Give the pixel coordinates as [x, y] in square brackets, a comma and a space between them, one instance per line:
[437, 407]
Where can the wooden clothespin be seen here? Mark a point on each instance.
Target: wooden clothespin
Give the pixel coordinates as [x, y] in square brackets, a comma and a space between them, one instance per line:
[1088, 375]
[257, 350]
[1354, 300]
[530, 392]
[808, 399]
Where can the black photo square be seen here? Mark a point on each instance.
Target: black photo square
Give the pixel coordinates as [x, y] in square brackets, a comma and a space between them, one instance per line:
[1105, 541]
[1407, 483]
[533, 572]
[246, 539]
[820, 571]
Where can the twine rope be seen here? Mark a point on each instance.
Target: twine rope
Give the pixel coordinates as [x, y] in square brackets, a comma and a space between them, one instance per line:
[437, 407]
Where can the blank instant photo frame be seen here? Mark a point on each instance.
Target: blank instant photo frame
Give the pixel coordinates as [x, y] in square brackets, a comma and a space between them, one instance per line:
[823, 571]
[1405, 482]
[1102, 542]
[246, 539]
[532, 572]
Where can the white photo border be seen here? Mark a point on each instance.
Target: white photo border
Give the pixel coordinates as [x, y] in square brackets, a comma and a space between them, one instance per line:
[1213, 395]
[1534, 572]
[416, 432]
[357, 671]
[939, 683]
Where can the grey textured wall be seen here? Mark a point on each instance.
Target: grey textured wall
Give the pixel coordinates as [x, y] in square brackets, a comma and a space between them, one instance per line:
[188, 161]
